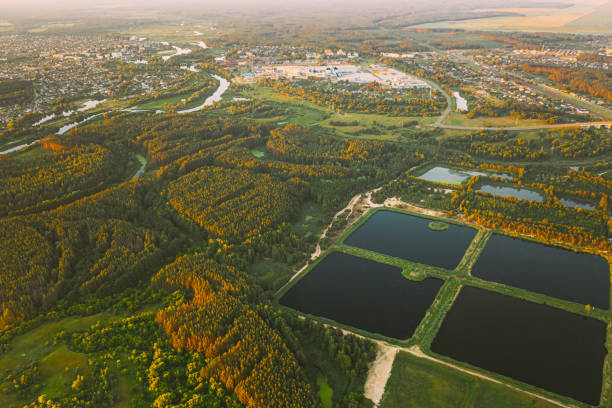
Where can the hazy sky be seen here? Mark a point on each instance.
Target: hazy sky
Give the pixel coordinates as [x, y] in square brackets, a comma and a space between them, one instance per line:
[78, 5]
[33, 8]
[39, 7]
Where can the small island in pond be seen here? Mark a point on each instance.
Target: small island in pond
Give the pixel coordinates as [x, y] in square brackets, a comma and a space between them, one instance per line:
[438, 226]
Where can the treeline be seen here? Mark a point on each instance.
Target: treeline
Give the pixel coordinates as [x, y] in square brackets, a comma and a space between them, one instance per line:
[232, 204]
[549, 220]
[255, 109]
[95, 246]
[448, 44]
[498, 144]
[581, 142]
[544, 221]
[302, 145]
[343, 359]
[520, 110]
[501, 145]
[163, 375]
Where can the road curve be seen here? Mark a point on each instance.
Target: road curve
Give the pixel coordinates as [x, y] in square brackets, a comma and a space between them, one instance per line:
[444, 115]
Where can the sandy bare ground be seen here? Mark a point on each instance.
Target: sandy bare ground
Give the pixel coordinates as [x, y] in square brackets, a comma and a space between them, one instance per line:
[380, 371]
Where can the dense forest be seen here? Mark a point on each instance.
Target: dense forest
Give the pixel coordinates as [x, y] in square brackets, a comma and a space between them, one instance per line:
[568, 143]
[188, 230]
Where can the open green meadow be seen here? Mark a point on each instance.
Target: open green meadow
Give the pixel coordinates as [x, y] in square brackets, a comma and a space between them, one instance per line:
[368, 125]
[57, 366]
[420, 383]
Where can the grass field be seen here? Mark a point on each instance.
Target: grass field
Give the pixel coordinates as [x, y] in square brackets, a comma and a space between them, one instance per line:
[270, 274]
[58, 370]
[438, 226]
[311, 220]
[371, 126]
[258, 153]
[58, 366]
[325, 392]
[419, 383]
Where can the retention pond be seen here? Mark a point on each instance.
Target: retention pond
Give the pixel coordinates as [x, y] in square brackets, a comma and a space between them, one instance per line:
[409, 237]
[364, 294]
[552, 271]
[546, 347]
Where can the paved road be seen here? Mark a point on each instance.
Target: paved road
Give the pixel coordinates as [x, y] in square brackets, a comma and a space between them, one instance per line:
[600, 111]
[537, 88]
[444, 115]
[519, 128]
[442, 118]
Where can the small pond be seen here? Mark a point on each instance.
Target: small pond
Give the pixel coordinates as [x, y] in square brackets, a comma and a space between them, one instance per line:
[576, 204]
[520, 193]
[452, 176]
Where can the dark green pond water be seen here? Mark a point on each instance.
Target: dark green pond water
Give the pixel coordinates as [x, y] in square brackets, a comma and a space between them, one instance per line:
[537, 344]
[409, 237]
[552, 271]
[364, 294]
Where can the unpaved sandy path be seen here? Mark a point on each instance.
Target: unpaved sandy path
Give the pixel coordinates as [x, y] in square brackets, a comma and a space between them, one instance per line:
[317, 252]
[380, 371]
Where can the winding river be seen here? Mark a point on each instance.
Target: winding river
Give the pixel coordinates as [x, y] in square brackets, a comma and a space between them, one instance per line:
[215, 97]
[72, 125]
[179, 51]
